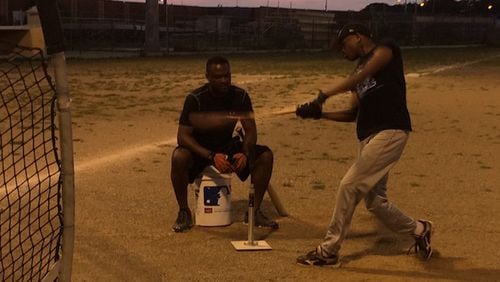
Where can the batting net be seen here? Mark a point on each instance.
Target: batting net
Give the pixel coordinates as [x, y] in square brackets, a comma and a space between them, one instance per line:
[30, 190]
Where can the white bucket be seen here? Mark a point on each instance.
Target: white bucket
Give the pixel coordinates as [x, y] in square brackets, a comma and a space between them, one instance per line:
[213, 198]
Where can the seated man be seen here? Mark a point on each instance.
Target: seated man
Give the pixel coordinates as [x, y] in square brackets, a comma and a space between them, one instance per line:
[205, 137]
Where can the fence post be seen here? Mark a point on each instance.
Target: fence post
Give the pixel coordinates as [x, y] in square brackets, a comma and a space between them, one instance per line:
[53, 34]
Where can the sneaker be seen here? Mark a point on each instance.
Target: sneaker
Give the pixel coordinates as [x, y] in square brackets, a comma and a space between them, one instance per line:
[422, 244]
[260, 220]
[183, 222]
[319, 257]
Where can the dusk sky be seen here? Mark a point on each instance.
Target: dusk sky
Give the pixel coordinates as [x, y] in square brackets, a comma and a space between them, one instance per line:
[354, 5]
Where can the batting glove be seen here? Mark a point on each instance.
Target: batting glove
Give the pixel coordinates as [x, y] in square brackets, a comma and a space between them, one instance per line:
[321, 99]
[309, 110]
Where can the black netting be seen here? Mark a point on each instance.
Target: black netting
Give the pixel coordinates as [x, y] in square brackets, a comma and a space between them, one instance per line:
[30, 222]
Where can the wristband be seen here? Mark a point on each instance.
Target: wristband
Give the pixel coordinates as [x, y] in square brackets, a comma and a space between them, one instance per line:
[321, 97]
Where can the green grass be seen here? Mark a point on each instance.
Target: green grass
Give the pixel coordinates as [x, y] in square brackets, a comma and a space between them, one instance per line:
[291, 64]
[318, 185]
[99, 86]
[414, 184]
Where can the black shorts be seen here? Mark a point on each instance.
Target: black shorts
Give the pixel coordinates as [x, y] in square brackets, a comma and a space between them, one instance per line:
[199, 163]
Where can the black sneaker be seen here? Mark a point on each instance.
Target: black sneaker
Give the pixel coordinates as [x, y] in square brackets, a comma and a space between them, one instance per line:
[183, 222]
[423, 241]
[260, 220]
[319, 257]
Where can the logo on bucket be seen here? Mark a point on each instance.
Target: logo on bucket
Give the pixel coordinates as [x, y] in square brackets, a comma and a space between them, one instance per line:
[212, 194]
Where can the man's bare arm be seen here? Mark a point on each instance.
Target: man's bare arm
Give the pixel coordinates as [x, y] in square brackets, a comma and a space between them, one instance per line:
[346, 115]
[381, 57]
[186, 139]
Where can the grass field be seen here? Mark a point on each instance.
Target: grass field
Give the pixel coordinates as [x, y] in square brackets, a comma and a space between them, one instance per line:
[125, 120]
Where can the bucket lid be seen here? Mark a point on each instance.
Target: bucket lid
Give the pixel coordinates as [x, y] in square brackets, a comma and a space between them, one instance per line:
[211, 172]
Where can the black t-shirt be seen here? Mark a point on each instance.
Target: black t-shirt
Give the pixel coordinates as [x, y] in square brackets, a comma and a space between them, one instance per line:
[215, 130]
[382, 98]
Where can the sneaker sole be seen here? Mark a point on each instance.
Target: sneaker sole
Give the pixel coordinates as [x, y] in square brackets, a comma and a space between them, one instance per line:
[181, 230]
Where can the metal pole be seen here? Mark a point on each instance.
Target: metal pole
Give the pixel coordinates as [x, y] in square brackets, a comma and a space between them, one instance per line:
[166, 23]
[152, 44]
[54, 39]
[251, 244]
[251, 214]
[67, 163]
[4, 10]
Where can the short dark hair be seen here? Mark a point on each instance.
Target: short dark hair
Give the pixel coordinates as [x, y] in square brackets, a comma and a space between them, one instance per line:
[216, 60]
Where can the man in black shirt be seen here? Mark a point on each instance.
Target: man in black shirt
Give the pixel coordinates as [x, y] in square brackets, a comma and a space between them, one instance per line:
[378, 105]
[205, 137]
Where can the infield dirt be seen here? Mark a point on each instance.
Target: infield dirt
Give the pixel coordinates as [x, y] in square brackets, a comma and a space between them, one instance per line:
[125, 114]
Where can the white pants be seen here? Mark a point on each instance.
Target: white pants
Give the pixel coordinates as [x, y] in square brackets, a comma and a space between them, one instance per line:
[366, 179]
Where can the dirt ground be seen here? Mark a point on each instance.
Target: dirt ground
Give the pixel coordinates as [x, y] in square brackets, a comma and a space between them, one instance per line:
[124, 130]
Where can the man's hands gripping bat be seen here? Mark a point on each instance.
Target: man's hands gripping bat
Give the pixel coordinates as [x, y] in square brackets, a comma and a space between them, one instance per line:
[312, 109]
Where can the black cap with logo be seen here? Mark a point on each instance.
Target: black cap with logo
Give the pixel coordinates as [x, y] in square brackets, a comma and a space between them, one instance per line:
[348, 29]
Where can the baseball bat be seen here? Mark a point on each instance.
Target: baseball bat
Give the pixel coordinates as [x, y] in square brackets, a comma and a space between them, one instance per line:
[284, 112]
[278, 113]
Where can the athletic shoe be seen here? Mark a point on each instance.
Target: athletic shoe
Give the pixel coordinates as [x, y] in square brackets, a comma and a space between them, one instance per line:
[423, 241]
[319, 257]
[183, 222]
[260, 220]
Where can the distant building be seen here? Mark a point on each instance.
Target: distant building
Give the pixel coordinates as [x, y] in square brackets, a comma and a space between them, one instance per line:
[24, 27]
[13, 12]
[113, 25]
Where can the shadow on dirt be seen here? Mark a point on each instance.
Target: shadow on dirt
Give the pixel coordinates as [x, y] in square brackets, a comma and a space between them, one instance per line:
[438, 267]
[289, 225]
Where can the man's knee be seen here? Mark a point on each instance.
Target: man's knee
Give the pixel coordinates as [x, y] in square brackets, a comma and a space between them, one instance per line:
[351, 190]
[266, 157]
[375, 203]
[181, 158]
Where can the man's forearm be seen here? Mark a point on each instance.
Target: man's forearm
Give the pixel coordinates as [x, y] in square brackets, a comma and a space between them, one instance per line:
[192, 145]
[341, 116]
[249, 142]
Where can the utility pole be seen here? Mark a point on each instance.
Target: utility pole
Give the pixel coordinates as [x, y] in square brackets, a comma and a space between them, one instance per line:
[152, 34]
[166, 25]
[4, 12]
[326, 5]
